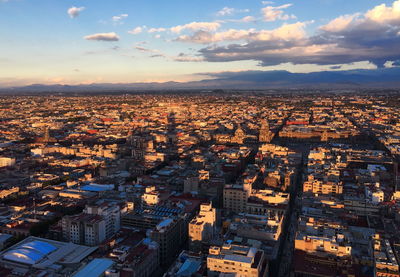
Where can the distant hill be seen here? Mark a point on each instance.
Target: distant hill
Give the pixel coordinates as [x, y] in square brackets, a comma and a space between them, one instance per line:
[352, 79]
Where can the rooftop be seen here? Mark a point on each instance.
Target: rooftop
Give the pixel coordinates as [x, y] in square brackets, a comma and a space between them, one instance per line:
[95, 268]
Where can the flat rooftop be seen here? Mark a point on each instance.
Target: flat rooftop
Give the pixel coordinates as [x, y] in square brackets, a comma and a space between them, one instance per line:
[43, 253]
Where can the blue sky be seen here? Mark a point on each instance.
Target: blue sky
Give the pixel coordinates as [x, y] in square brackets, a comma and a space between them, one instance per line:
[123, 41]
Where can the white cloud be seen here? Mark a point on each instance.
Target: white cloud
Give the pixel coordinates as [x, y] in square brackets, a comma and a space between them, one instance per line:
[385, 14]
[137, 30]
[156, 30]
[271, 13]
[152, 53]
[225, 11]
[140, 46]
[155, 53]
[389, 64]
[230, 11]
[143, 49]
[194, 26]
[204, 37]
[286, 32]
[267, 2]
[158, 56]
[187, 58]
[339, 23]
[74, 12]
[373, 19]
[119, 18]
[247, 19]
[373, 36]
[103, 37]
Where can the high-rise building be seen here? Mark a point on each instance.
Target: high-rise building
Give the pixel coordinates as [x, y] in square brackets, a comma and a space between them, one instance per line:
[202, 228]
[111, 214]
[138, 144]
[84, 229]
[46, 137]
[235, 198]
[99, 221]
[166, 224]
[170, 235]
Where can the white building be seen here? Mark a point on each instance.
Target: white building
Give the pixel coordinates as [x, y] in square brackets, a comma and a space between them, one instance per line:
[202, 228]
[84, 229]
[151, 196]
[111, 214]
[4, 161]
[240, 260]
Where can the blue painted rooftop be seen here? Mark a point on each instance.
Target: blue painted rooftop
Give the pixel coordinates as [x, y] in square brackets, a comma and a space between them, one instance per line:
[30, 253]
[97, 188]
[95, 268]
[188, 268]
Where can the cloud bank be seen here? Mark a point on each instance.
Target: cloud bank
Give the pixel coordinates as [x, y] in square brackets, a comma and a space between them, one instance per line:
[372, 36]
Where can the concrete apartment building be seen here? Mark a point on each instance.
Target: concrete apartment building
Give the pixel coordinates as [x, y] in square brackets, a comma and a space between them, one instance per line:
[111, 214]
[84, 229]
[235, 198]
[321, 187]
[5, 161]
[202, 227]
[169, 234]
[98, 222]
[243, 261]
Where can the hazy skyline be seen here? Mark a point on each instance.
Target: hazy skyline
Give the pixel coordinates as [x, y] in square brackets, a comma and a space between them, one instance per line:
[81, 42]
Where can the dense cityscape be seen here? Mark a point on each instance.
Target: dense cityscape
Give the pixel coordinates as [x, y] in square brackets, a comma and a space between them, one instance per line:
[200, 184]
[207, 138]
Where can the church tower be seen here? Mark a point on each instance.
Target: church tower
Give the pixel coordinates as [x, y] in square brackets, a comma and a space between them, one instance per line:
[46, 137]
[239, 136]
[129, 136]
[325, 136]
[265, 133]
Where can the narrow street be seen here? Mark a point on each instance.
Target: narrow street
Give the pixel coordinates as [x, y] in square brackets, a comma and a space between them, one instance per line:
[287, 244]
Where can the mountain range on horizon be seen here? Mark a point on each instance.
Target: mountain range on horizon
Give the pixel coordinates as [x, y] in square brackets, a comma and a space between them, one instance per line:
[383, 78]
